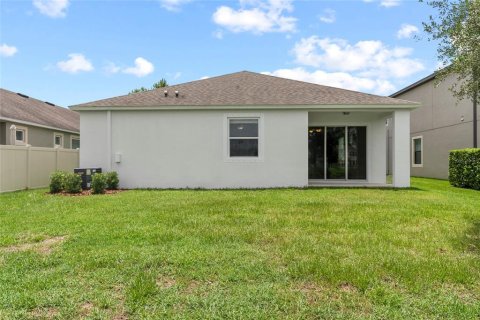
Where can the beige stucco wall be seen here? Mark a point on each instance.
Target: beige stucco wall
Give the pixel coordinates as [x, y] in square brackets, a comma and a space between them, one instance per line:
[37, 136]
[439, 122]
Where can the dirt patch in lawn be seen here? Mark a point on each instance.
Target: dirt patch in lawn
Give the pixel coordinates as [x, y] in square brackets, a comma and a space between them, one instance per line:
[86, 193]
[43, 247]
[348, 287]
[165, 282]
[86, 309]
[120, 313]
[44, 313]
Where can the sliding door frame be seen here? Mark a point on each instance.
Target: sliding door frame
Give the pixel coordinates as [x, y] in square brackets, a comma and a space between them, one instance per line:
[345, 127]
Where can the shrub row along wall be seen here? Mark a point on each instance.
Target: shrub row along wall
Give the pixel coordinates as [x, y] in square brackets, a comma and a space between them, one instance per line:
[464, 168]
[30, 167]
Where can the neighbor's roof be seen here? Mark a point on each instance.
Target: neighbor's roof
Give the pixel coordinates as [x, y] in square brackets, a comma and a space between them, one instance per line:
[414, 85]
[245, 89]
[22, 108]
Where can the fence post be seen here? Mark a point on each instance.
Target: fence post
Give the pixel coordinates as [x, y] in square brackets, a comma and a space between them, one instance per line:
[28, 167]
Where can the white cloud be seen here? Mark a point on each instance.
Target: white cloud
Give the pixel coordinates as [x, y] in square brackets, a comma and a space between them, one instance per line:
[7, 51]
[111, 68]
[337, 79]
[52, 8]
[328, 16]
[386, 3]
[204, 77]
[389, 3]
[142, 68]
[367, 58]
[173, 5]
[76, 63]
[257, 16]
[406, 31]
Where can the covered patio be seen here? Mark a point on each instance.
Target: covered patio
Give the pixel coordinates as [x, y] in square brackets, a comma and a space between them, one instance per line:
[348, 148]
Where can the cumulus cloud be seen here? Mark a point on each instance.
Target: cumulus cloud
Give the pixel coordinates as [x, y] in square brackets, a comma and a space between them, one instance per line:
[173, 5]
[406, 31]
[367, 58]
[389, 3]
[52, 8]
[328, 16]
[142, 67]
[7, 51]
[257, 17]
[75, 64]
[337, 79]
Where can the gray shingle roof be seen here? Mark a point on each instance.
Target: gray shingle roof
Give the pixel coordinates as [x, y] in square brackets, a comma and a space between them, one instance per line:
[243, 89]
[22, 108]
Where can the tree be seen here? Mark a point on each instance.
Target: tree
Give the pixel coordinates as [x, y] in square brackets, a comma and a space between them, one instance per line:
[159, 84]
[456, 28]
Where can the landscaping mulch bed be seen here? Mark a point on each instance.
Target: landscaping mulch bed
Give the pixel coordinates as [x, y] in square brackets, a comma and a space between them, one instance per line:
[87, 193]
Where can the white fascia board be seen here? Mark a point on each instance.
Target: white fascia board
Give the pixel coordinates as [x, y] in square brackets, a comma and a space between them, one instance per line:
[332, 107]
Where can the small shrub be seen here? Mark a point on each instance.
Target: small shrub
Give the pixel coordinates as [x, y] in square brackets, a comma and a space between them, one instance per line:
[57, 181]
[72, 183]
[99, 183]
[112, 180]
[464, 168]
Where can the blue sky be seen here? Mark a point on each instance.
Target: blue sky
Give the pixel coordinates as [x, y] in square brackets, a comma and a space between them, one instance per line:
[69, 52]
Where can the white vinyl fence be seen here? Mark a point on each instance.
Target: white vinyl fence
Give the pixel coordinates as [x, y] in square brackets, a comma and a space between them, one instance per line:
[30, 167]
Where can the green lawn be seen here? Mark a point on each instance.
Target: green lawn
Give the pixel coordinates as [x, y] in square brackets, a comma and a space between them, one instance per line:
[285, 253]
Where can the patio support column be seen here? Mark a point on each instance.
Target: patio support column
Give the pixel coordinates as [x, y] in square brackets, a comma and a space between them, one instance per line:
[401, 148]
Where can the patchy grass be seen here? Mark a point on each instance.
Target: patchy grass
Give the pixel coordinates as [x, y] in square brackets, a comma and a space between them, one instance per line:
[289, 253]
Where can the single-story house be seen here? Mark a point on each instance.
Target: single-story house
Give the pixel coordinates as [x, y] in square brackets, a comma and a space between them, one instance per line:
[28, 121]
[246, 130]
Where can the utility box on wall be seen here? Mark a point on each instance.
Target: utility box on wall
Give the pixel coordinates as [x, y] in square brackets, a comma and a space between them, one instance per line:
[86, 174]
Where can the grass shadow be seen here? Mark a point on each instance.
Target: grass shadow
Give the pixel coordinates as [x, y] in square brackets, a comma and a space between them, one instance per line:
[471, 238]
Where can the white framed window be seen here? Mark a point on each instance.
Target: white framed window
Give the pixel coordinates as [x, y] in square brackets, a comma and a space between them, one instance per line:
[74, 142]
[244, 137]
[417, 151]
[21, 134]
[58, 140]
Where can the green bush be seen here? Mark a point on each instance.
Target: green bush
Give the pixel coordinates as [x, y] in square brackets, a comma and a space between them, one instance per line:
[112, 180]
[464, 168]
[99, 183]
[72, 183]
[57, 181]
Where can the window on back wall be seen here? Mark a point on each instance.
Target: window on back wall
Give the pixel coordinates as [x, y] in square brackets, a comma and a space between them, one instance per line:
[417, 151]
[21, 135]
[58, 140]
[243, 137]
[75, 143]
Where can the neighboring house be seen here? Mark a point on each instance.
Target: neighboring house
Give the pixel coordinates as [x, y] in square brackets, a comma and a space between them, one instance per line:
[441, 124]
[28, 121]
[246, 130]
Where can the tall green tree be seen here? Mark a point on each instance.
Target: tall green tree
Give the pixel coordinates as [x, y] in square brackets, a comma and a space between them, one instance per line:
[456, 29]
[159, 84]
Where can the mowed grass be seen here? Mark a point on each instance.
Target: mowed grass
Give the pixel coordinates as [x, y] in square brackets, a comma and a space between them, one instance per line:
[243, 254]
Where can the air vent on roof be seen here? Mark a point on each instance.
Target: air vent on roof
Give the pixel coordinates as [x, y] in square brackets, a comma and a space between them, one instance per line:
[23, 95]
[49, 103]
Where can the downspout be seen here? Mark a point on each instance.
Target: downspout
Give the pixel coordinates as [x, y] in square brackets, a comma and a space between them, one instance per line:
[475, 121]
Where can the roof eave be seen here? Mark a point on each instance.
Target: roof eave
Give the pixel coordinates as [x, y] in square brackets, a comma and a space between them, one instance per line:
[244, 107]
[33, 124]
